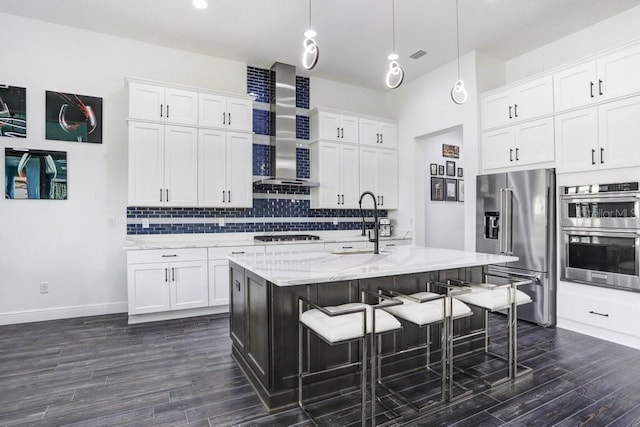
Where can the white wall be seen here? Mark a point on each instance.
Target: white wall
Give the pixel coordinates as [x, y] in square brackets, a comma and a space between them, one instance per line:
[424, 107]
[331, 94]
[611, 32]
[444, 221]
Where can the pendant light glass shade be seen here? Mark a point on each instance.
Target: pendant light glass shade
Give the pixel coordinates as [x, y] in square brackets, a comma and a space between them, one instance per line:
[311, 51]
[395, 74]
[459, 94]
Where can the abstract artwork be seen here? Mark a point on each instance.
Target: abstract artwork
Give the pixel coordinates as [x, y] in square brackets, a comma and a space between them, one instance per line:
[13, 111]
[35, 174]
[71, 117]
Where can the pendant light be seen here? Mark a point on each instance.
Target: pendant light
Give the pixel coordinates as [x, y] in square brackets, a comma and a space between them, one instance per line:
[458, 92]
[311, 49]
[395, 75]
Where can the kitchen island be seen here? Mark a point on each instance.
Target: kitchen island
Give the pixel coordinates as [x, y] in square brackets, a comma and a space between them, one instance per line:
[265, 288]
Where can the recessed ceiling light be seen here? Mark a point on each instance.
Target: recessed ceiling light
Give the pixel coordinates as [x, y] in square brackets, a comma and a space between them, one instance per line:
[200, 4]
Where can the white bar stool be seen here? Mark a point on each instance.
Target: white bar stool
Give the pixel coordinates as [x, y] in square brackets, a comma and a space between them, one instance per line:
[490, 298]
[425, 309]
[339, 325]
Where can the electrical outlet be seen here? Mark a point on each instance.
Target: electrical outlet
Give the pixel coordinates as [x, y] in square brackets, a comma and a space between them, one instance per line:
[44, 288]
[335, 221]
[221, 222]
[145, 222]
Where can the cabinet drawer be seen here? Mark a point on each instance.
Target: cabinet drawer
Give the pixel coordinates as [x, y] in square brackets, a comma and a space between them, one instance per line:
[166, 255]
[359, 244]
[222, 252]
[294, 247]
[604, 308]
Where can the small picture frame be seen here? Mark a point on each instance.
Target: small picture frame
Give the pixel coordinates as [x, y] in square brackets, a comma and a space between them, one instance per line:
[440, 169]
[452, 151]
[451, 190]
[461, 190]
[434, 169]
[437, 189]
[460, 173]
[451, 168]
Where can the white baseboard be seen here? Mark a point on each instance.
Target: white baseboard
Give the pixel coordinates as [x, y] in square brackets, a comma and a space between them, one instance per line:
[608, 335]
[178, 314]
[41, 315]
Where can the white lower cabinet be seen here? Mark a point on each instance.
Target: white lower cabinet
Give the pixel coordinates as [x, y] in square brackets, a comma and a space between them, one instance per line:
[606, 313]
[219, 271]
[166, 280]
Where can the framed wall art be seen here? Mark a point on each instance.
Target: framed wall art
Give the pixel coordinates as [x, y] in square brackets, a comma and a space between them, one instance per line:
[452, 151]
[35, 174]
[461, 190]
[437, 189]
[451, 168]
[434, 168]
[460, 172]
[71, 117]
[440, 169]
[451, 190]
[13, 111]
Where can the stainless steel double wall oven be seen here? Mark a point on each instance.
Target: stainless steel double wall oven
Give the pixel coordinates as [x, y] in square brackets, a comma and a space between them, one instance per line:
[600, 232]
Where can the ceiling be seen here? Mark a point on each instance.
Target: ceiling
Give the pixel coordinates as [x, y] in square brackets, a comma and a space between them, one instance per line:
[355, 36]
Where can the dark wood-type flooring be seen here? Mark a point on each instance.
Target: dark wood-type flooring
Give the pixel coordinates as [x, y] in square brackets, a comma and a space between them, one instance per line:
[98, 371]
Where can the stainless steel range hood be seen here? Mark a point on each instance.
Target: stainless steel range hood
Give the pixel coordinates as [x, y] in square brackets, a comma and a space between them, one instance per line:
[283, 120]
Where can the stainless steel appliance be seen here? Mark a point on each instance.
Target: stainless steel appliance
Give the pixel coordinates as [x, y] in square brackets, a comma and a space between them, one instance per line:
[385, 227]
[516, 216]
[600, 231]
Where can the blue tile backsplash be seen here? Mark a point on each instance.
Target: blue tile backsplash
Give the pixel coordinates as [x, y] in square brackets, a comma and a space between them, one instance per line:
[275, 208]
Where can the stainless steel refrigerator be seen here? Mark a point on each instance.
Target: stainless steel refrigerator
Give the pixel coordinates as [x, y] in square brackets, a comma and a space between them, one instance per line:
[516, 216]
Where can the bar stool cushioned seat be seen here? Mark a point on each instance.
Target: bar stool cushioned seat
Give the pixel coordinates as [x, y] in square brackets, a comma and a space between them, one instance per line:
[426, 312]
[349, 326]
[492, 299]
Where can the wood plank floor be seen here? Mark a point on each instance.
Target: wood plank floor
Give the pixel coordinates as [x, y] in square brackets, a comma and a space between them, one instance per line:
[98, 371]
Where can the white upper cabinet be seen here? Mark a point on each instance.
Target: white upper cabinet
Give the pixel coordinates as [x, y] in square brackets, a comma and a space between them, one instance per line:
[378, 133]
[523, 102]
[224, 112]
[224, 169]
[530, 143]
[162, 104]
[335, 166]
[379, 174]
[611, 76]
[602, 137]
[331, 126]
[162, 165]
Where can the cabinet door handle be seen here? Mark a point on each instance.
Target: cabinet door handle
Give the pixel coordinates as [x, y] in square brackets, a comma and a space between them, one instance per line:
[170, 256]
[237, 252]
[600, 87]
[342, 133]
[510, 116]
[591, 89]
[598, 314]
[515, 110]
[167, 111]
[382, 198]
[338, 198]
[338, 130]
[517, 159]
[161, 109]
[601, 155]
[377, 138]
[229, 119]
[593, 156]
[342, 198]
[237, 285]
[381, 138]
[229, 196]
[224, 197]
[511, 154]
[224, 118]
[173, 274]
[161, 194]
[166, 274]
[167, 192]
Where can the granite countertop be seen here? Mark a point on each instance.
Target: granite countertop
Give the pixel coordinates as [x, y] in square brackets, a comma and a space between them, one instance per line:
[290, 268]
[180, 241]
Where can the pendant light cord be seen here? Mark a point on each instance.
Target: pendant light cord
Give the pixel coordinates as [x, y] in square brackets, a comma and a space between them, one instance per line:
[393, 23]
[458, 39]
[309, 14]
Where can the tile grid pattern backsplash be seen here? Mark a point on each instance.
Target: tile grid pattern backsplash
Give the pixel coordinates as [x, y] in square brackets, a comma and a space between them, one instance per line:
[275, 208]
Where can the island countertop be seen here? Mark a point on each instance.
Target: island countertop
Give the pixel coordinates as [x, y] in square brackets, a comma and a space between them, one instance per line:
[290, 268]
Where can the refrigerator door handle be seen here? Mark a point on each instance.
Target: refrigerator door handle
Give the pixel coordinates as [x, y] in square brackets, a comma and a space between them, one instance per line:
[501, 227]
[507, 215]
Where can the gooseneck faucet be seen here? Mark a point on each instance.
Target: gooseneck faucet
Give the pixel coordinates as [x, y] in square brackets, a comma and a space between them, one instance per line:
[376, 226]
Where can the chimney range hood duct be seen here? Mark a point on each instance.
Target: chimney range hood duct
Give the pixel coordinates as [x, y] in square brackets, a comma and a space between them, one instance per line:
[283, 120]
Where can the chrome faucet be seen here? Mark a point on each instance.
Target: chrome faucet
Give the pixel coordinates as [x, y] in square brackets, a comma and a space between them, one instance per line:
[376, 226]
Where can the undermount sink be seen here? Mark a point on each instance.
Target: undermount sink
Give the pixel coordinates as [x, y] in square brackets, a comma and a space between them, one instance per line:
[355, 251]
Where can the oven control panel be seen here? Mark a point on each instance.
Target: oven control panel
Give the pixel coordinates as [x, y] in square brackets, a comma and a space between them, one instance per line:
[601, 188]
